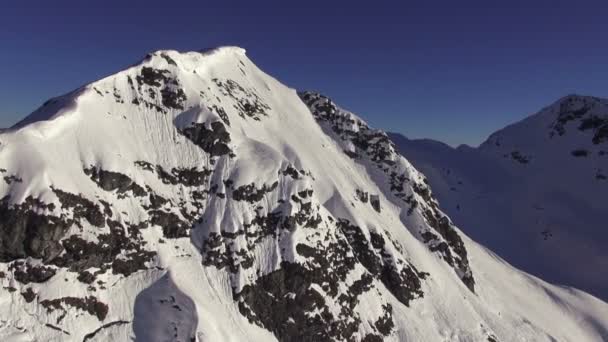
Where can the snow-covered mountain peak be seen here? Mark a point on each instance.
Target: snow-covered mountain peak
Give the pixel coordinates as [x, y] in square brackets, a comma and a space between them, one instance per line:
[194, 59]
[194, 197]
[535, 191]
[165, 70]
[571, 120]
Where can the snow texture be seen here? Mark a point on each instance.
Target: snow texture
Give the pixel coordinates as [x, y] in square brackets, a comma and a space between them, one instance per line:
[192, 197]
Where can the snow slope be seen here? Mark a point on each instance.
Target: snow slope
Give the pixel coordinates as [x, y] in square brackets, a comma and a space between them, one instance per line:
[192, 197]
[535, 192]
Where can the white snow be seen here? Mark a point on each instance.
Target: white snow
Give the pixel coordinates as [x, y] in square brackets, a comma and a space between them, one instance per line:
[51, 148]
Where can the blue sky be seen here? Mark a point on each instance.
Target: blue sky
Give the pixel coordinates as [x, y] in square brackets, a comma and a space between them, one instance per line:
[449, 70]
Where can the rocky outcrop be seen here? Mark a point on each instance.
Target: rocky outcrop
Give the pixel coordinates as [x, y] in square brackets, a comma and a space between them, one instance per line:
[374, 146]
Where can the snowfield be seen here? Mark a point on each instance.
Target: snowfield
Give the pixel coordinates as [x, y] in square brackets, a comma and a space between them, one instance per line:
[192, 197]
[534, 192]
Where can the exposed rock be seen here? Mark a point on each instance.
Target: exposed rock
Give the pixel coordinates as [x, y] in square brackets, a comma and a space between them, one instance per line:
[213, 141]
[385, 323]
[12, 179]
[145, 165]
[520, 158]
[247, 102]
[169, 60]
[580, 153]
[88, 304]
[80, 207]
[105, 326]
[376, 147]
[403, 281]
[81, 255]
[173, 227]
[251, 193]
[114, 181]
[26, 231]
[26, 273]
[152, 81]
[29, 295]
[363, 196]
[374, 200]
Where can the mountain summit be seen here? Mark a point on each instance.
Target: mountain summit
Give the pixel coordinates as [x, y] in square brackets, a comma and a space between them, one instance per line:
[535, 192]
[192, 197]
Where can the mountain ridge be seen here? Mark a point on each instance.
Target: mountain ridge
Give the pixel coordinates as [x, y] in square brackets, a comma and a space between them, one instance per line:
[194, 197]
[549, 160]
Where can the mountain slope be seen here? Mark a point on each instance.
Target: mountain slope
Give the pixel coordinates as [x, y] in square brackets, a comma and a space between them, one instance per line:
[535, 191]
[192, 197]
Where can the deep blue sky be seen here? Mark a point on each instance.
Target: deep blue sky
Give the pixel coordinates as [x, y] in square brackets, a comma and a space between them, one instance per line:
[449, 70]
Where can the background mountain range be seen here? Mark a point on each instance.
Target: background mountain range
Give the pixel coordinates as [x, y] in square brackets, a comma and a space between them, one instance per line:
[535, 192]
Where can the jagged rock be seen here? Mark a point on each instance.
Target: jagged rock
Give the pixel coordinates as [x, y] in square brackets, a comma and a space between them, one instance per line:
[252, 194]
[378, 149]
[26, 273]
[29, 295]
[374, 200]
[213, 141]
[114, 181]
[88, 304]
[247, 102]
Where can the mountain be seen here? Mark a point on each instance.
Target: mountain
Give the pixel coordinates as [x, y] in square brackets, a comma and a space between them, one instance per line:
[535, 192]
[192, 197]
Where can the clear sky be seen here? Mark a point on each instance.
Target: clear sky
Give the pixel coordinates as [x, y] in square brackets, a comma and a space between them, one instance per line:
[449, 70]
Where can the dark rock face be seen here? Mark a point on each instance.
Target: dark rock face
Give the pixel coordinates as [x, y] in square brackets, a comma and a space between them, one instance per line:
[251, 193]
[169, 60]
[580, 153]
[26, 273]
[28, 295]
[385, 323]
[80, 207]
[114, 181]
[151, 82]
[173, 226]
[188, 177]
[247, 102]
[363, 196]
[568, 112]
[577, 109]
[376, 147]
[293, 301]
[213, 140]
[88, 304]
[374, 200]
[12, 179]
[173, 98]
[402, 279]
[452, 242]
[81, 254]
[270, 305]
[219, 249]
[492, 338]
[520, 158]
[26, 231]
[163, 212]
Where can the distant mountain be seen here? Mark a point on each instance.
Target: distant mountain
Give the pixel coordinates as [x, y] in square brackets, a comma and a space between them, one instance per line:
[192, 197]
[536, 192]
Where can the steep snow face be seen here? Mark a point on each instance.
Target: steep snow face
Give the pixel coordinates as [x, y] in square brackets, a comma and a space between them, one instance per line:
[535, 191]
[192, 197]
